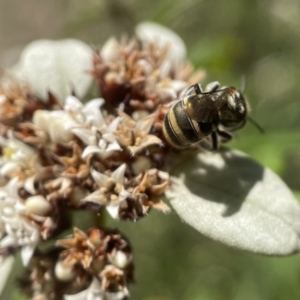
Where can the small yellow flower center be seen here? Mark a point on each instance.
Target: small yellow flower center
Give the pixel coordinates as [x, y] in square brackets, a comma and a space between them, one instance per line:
[111, 191]
[8, 153]
[138, 141]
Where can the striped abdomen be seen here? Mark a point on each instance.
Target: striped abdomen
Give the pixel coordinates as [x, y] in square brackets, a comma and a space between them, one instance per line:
[180, 130]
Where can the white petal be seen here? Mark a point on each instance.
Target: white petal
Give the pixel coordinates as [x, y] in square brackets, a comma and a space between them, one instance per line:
[110, 50]
[100, 179]
[167, 93]
[118, 174]
[120, 259]
[2, 99]
[93, 197]
[89, 150]
[146, 66]
[105, 154]
[123, 195]
[56, 123]
[8, 168]
[9, 240]
[12, 187]
[93, 104]
[165, 69]
[26, 254]
[64, 273]
[38, 205]
[72, 103]
[59, 66]
[93, 292]
[109, 137]
[29, 185]
[41, 119]
[93, 114]
[178, 85]
[145, 124]
[114, 124]
[232, 199]
[83, 134]
[153, 32]
[114, 147]
[113, 210]
[59, 130]
[116, 296]
[102, 144]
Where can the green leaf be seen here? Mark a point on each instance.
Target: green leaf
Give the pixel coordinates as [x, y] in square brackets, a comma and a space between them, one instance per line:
[6, 264]
[232, 199]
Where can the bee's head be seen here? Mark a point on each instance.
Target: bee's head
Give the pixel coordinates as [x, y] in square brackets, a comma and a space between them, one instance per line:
[233, 113]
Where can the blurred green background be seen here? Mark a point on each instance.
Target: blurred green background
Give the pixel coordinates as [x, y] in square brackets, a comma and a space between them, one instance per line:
[258, 39]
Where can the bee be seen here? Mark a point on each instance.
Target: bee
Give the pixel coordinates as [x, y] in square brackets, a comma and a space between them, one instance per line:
[216, 112]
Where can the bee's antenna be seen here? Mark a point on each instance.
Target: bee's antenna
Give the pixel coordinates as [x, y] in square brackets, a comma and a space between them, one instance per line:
[243, 83]
[243, 89]
[261, 130]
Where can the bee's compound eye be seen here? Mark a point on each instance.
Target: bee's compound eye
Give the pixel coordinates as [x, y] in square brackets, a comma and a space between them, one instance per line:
[228, 124]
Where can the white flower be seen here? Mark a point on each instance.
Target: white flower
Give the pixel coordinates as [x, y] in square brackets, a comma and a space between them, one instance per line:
[119, 258]
[88, 114]
[38, 205]
[110, 51]
[56, 123]
[57, 66]
[63, 272]
[100, 140]
[16, 155]
[135, 135]
[163, 36]
[111, 191]
[167, 90]
[16, 230]
[94, 292]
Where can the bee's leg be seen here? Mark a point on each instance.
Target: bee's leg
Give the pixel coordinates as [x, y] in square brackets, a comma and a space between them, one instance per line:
[198, 88]
[206, 144]
[215, 142]
[124, 103]
[194, 89]
[225, 136]
[212, 87]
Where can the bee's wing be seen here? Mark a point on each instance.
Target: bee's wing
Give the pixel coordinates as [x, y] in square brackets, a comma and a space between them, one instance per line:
[203, 108]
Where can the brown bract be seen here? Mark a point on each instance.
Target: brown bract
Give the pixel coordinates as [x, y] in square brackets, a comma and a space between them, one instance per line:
[106, 255]
[42, 281]
[153, 184]
[13, 100]
[79, 250]
[113, 280]
[135, 75]
[76, 167]
[31, 134]
[17, 102]
[135, 136]
[46, 225]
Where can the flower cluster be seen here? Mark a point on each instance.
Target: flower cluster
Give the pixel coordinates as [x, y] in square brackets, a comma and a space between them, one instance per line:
[94, 264]
[95, 155]
[60, 153]
[140, 78]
